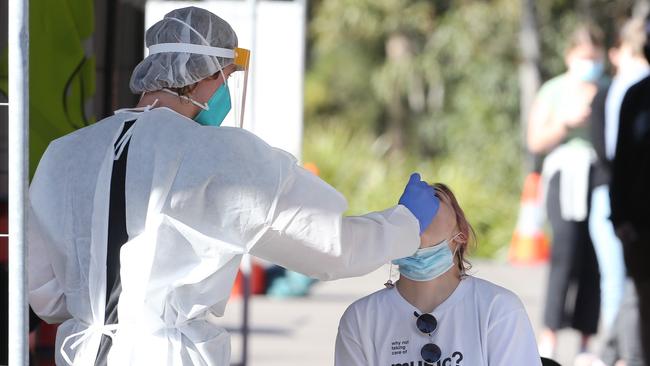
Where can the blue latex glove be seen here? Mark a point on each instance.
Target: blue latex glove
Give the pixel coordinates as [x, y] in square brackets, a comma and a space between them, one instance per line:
[420, 198]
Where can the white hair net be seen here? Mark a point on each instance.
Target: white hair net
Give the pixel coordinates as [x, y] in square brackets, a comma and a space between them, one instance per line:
[177, 69]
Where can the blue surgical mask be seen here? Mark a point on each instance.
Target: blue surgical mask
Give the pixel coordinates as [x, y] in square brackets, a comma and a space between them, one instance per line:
[587, 70]
[217, 109]
[427, 263]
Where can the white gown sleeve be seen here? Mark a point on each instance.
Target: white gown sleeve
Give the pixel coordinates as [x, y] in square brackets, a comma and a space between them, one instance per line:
[309, 234]
[46, 295]
[349, 351]
[511, 341]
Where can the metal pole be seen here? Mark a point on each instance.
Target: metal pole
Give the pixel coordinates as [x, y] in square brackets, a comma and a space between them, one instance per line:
[18, 171]
[247, 265]
[303, 31]
[529, 75]
[251, 78]
[109, 59]
[246, 286]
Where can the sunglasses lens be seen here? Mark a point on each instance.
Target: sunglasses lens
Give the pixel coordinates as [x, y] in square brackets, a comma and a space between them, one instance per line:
[430, 353]
[427, 323]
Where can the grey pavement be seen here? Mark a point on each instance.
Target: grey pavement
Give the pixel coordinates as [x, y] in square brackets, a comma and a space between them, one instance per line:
[303, 331]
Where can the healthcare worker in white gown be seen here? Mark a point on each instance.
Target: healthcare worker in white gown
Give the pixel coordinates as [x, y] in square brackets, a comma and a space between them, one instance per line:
[138, 223]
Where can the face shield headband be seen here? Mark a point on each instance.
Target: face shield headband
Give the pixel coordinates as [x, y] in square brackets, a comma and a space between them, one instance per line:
[240, 57]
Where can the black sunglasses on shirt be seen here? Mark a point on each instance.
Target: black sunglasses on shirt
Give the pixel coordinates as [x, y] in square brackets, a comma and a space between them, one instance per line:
[427, 324]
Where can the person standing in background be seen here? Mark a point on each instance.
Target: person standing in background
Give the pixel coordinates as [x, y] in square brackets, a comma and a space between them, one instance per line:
[620, 311]
[628, 192]
[558, 129]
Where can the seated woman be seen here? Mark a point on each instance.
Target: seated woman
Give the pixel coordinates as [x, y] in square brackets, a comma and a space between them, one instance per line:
[437, 314]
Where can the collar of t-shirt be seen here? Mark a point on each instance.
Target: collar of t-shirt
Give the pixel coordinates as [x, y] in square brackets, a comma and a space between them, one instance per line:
[453, 299]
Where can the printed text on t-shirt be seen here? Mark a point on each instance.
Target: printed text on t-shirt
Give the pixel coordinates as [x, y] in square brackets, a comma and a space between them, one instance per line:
[455, 359]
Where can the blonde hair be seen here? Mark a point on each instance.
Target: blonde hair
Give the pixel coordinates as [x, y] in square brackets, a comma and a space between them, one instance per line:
[633, 35]
[585, 34]
[467, 235]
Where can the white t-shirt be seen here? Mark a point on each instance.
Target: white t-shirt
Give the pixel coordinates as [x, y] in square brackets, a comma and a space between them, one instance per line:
[480, 324]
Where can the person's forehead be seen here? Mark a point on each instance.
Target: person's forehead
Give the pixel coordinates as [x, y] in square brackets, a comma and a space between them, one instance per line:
[585, 50]
[445, 220]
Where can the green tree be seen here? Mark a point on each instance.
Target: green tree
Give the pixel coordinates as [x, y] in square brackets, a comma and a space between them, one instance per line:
[430, 88]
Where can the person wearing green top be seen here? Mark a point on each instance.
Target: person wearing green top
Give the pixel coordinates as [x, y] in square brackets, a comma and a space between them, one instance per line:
[557, 130]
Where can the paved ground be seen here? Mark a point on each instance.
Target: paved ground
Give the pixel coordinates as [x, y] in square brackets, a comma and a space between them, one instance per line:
[303, 331]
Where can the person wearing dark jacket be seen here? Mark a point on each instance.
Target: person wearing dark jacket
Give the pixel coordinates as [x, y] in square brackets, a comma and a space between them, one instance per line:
[620, 313]
[630, 200]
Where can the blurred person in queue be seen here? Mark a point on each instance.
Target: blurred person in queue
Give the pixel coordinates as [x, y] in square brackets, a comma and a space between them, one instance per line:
[557, 129]
[437, 314]
[629, 191]
[138, 223]
[620, 312]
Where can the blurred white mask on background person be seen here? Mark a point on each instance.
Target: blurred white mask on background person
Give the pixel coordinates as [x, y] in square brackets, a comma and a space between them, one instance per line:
[586, 69]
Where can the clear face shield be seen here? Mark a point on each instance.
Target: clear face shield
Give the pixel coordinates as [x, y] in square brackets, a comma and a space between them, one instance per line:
[236, 82]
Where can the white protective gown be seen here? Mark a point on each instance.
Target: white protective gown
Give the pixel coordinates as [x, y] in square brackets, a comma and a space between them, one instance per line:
[197, 199]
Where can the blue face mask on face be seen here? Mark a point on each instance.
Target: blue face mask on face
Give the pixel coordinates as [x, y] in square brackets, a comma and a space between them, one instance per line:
[427, 263]
[587, 70]
[218, 108]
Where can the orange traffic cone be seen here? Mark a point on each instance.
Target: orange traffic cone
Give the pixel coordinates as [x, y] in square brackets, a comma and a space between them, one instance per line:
[530, 244]
[312, 168]
[257, 281]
